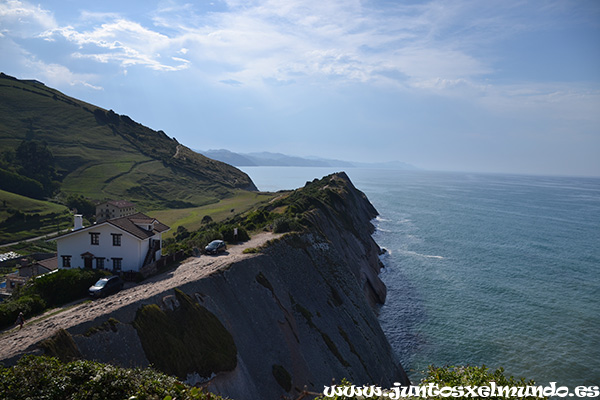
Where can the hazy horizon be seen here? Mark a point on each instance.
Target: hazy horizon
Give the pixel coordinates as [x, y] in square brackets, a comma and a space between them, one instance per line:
[464, 85]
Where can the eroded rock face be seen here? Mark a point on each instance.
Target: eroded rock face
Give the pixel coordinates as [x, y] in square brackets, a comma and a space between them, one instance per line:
[297, 306]
[347, 226]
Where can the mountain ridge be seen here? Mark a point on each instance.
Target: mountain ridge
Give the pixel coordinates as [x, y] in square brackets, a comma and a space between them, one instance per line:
[100, 154]
[260, 159]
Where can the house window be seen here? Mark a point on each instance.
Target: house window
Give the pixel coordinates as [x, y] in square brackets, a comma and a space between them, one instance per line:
[94, 238]
[116, 239]
[66, 261]
[117, 264]
[99, 262]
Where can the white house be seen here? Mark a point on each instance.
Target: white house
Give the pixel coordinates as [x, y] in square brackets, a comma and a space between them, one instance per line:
[120, 244]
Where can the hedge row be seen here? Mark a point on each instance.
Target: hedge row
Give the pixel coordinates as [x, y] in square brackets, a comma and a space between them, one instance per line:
[51, 290]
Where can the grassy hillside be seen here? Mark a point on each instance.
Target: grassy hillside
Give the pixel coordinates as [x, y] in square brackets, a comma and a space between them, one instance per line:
[22, 217]
[191, 218]
[102, 155]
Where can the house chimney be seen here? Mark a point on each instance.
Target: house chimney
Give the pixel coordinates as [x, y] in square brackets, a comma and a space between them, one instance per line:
[78, 223]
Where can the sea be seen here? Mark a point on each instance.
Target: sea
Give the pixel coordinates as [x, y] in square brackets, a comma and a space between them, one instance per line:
[483, 269]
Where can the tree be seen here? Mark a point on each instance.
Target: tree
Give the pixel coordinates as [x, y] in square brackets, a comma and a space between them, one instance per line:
[82, 205]
[34, 160]
[181, 233]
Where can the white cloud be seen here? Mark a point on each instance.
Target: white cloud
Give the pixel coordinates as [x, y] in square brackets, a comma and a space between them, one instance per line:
[279, 41]
[429, 46]
[548, 101]
[57, 75]
[28, 65]
[23, 20]
[270, 40]
[125, 42]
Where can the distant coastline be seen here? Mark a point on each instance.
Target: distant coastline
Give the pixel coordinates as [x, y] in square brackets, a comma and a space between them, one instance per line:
[267, 159]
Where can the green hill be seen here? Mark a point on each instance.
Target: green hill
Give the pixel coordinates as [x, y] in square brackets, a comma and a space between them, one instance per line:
[23, 217]
[53, 144]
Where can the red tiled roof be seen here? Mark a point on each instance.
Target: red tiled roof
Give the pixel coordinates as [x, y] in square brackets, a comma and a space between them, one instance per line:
[131, 224]
[128, 224]
[50, 263]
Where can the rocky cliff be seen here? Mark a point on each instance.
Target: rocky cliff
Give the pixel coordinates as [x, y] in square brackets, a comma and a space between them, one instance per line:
[295, 315]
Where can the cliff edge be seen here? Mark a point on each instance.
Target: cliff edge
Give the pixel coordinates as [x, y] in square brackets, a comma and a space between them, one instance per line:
[293, 316]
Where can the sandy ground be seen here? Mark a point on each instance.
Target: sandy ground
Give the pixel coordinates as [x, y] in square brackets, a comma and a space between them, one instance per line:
[14, 341]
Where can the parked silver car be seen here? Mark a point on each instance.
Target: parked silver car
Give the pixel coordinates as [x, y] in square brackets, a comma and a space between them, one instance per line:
[106, 286]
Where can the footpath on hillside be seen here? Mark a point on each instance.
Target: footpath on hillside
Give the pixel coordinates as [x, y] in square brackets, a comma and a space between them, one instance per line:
[15, 341]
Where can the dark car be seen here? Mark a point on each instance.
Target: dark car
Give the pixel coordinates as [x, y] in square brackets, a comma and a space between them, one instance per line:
[215, 247]
[106, 286]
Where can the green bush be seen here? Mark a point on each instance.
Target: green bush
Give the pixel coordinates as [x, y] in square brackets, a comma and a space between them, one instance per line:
[29, 305]
[457, 378]
[181, 233]
[226, 232]
[62, 346]
[186, 340]
[48, 378]
[81, 204]
[19, 184]
[285, 224]
[259, 218]
[474, 376]
[64, 286]
[52, 290]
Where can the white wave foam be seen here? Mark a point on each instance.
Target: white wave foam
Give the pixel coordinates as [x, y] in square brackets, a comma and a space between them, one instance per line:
[414, 253]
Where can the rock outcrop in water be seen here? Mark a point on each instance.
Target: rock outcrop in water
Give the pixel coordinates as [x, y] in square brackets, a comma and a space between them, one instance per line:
[293, 316]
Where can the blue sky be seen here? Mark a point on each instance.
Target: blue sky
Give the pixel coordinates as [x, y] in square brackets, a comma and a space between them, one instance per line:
[491, 86]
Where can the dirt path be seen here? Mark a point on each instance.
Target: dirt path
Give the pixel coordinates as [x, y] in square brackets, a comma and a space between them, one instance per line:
[15, 341]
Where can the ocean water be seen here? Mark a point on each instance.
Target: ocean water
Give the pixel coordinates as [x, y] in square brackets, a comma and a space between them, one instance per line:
[501, 270]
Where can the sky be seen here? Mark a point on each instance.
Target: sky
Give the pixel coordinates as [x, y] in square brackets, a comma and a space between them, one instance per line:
[501, 86]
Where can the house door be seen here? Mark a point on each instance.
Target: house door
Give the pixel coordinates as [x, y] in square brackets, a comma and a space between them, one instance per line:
[87, 259]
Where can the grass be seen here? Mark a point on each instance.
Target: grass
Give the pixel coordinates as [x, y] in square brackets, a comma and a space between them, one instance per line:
[185, 340]
[91, 179]
[35, 218]
[61, 346]
[26, 205]
[191, 218]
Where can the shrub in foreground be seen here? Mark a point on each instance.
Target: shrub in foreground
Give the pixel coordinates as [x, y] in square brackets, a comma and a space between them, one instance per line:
[47, 378]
